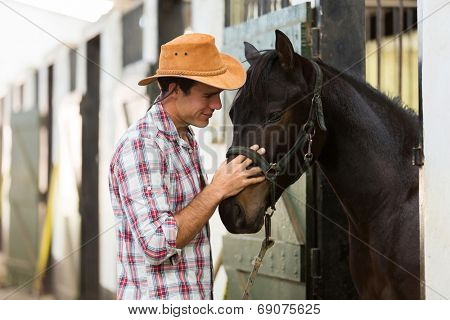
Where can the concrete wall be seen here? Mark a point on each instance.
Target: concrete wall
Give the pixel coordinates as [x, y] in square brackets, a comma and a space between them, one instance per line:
[435, 175]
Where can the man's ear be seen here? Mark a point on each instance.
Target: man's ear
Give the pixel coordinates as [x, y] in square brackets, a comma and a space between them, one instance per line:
[172, 91]
[251, 53]
[285, 50]
[173, 88]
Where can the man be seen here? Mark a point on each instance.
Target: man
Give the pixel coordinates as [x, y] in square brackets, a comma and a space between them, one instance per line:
[157, 184]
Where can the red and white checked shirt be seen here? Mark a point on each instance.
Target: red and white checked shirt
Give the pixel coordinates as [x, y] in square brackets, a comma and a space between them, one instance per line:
[153, 175]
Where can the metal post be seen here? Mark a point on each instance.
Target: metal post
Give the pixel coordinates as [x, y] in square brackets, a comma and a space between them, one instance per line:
[379, 25]
[89, 200]
[2, 105]
[419, 150]
[400, 47]
[409, 23]
[227, 13]
[342, 45]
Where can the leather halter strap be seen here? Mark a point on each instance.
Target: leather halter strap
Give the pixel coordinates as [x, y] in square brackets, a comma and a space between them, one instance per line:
[272, 170]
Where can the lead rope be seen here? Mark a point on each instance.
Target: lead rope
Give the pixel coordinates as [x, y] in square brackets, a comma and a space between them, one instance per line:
[267, 243]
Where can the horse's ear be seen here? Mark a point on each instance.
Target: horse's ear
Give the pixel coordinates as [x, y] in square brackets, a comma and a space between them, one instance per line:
[285, 50]
[251, 53]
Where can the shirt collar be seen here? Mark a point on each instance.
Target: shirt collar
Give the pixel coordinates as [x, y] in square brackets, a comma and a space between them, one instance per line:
[164, 123]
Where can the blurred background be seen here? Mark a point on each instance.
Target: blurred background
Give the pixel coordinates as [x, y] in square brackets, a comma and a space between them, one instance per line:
[68, 91]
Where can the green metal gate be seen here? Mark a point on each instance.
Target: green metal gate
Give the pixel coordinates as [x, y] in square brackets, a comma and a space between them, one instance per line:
[282, 275]
[24, 196]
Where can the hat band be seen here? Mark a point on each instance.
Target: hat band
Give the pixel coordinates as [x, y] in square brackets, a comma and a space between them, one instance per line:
[217, 72]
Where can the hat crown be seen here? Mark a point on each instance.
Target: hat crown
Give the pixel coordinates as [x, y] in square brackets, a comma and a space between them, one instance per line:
[195, 56]
[190, 53]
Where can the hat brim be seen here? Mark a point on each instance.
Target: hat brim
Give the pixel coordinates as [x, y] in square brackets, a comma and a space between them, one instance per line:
[232, 79]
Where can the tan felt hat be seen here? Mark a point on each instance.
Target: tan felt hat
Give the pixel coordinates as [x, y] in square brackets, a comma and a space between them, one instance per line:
[195, 56]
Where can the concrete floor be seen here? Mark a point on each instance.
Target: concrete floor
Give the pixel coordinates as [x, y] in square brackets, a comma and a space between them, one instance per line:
[12, 292]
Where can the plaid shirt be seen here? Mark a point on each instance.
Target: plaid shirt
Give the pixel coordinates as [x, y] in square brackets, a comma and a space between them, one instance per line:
[153, 175]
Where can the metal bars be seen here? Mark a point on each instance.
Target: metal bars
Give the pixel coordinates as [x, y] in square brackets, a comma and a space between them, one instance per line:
[384, 19]
[239, 11]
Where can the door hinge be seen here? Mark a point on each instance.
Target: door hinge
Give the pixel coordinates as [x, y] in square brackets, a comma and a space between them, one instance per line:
[315, 36]
[418, 157]
[316, 272]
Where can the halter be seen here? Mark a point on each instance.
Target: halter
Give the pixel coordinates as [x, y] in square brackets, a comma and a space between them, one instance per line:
[272, 170]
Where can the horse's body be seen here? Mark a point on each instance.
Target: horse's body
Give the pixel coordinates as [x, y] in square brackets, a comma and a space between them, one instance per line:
[366, 155]
[367, 159]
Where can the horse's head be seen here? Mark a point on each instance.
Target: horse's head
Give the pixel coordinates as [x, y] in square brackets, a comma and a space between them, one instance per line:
[276, 110]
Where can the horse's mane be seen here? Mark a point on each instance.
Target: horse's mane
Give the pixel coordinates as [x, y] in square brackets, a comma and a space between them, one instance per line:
[261, 68]
[260, 71]
[381, 98]
[255, 86]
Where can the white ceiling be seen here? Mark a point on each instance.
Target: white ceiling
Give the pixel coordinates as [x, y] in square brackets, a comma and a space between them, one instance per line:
[28, 34]
[87, 10]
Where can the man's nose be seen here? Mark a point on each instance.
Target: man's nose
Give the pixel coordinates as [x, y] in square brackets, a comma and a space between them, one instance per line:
[216, 104]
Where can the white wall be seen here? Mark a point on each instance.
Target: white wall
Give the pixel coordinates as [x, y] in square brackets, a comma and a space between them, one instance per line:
[208, 16]
[5, 171]
[110, 60]
[30, 42]
[435, 182]
[150, 20]
[67, 159]
[118, 86]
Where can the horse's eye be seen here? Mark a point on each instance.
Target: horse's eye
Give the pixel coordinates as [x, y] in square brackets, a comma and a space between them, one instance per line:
[274, 116]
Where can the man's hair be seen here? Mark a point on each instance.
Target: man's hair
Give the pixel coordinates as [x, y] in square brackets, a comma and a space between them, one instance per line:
[184, 84]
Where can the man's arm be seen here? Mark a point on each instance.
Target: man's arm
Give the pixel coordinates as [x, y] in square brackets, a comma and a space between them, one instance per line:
[194, 216]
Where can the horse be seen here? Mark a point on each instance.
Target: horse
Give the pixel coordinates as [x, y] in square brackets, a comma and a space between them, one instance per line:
[362, 141]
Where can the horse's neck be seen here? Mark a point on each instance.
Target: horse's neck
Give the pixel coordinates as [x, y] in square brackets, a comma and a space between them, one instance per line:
[366, 156]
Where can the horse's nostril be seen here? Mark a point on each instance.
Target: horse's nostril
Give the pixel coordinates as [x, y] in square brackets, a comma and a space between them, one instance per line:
[238, 214]
[237, 209]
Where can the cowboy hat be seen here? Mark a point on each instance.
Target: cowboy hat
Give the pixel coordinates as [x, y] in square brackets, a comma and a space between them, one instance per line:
[195, 56]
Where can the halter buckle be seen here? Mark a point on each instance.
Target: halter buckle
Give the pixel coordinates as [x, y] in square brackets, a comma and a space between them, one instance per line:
[270, 214]
[273, 171]
[309, 129]
[308, 157]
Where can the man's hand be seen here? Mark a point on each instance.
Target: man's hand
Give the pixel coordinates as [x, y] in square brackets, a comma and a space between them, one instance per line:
[232, 177]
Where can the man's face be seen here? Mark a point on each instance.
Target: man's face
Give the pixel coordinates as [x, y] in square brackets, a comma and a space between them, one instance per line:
[197, 107]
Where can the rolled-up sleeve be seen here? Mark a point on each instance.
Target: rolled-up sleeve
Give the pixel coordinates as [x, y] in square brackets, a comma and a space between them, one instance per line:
[144, 197]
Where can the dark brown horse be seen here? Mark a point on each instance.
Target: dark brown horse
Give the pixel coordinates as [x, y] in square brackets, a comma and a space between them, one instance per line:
[365, 153]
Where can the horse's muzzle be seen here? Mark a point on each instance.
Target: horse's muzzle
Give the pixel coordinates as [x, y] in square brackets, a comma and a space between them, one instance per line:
[232, 215]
